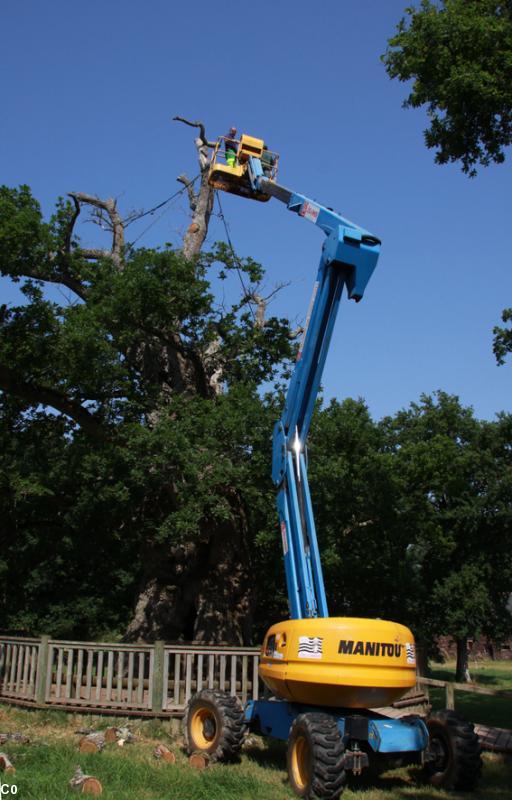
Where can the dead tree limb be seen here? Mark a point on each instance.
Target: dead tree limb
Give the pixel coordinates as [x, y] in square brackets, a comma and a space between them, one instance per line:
[109, 206]
[200, 202]
[261, 304]
[71, 226]
[198, 124]
[192, 197]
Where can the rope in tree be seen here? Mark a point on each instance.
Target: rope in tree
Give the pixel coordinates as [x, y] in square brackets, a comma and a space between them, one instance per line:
[235, 257]
[130, 220]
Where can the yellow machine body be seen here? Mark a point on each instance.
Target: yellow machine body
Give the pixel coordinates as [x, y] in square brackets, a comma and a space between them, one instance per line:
[234, 178]
[338, 661]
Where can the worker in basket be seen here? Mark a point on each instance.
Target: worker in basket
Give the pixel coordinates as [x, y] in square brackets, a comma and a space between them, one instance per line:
[230, 147]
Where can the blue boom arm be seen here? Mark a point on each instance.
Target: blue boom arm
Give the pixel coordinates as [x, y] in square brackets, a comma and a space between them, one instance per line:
[349, 256]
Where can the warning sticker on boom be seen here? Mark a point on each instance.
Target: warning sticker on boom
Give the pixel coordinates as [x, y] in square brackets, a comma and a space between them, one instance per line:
[309, 211]
[283, 537]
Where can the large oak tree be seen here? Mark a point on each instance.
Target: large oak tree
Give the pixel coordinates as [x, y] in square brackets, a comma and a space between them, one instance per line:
[146, 386]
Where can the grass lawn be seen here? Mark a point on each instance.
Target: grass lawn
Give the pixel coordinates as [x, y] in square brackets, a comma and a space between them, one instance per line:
[491, 674]
[44, 767]
[478, 708]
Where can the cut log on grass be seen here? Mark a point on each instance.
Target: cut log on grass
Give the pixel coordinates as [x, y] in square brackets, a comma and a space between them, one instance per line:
[162, 752]
[85, 784]
[198, 760]
[5, 764]
[125, 736]
[93, 743]
[92, 786]
[19, 738]
[110, 735]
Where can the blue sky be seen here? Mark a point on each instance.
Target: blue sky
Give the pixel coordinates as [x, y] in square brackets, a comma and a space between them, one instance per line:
[88, 92]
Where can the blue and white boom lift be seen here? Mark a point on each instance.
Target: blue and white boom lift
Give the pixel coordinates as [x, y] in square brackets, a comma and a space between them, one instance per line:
[325, 674]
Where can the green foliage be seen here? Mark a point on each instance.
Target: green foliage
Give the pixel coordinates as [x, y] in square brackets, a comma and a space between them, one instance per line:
[414, 515]
[354, 496]
[111, 438]
[458, 54]
[502, 344]
[457, 498]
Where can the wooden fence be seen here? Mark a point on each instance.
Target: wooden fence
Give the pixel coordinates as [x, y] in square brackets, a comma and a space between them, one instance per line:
[450, 688]
[145, 680]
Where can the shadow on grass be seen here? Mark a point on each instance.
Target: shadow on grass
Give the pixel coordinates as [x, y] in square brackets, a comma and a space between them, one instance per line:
[388, 782]
[410, 783]
[405, 783]
[270, 753]
[479, 709]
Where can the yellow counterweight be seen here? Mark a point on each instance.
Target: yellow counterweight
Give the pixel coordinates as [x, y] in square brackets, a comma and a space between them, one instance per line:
[339, 661]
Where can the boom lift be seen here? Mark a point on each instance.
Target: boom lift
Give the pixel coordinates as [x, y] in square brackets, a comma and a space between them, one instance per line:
[325, 673]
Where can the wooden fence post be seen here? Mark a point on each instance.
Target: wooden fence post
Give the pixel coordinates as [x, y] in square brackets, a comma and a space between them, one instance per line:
[42, 668]
[158, 677]
[450, 696]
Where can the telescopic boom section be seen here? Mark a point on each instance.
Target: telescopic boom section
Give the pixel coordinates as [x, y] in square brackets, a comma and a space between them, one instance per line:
[349, 256]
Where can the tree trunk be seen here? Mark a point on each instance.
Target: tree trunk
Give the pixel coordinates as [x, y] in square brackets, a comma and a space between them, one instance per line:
[201, 590]
[201, 212]
[462, 671]
[422, 666]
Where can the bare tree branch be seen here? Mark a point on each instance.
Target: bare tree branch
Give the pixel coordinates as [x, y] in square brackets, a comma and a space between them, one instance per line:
[69, 232]
[110, 207]
[296, 333]
[261, 308]
[94, 253]
[72, 283]
[192, 197]
[201, 203]
[37, 394]
[262, 303]
[60, 262]
[198, 124]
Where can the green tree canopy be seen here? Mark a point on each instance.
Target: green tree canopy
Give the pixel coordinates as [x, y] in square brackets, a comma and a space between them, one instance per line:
[502, 344]
[456, 502]
[458, 55]
[414, 515]
[123, 465]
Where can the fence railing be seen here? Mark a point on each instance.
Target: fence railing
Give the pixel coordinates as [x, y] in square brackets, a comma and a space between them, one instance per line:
[145, 679]
[450, 687]
[18, 668]
[142, 679]
[188, 669]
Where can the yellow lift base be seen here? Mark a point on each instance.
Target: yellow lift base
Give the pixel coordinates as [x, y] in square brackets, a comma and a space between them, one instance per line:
[339, 661]
[234, 179]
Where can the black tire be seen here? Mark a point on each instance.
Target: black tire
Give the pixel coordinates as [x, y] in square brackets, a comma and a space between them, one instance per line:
[214, 725]
[315, 757]
[453, 753]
